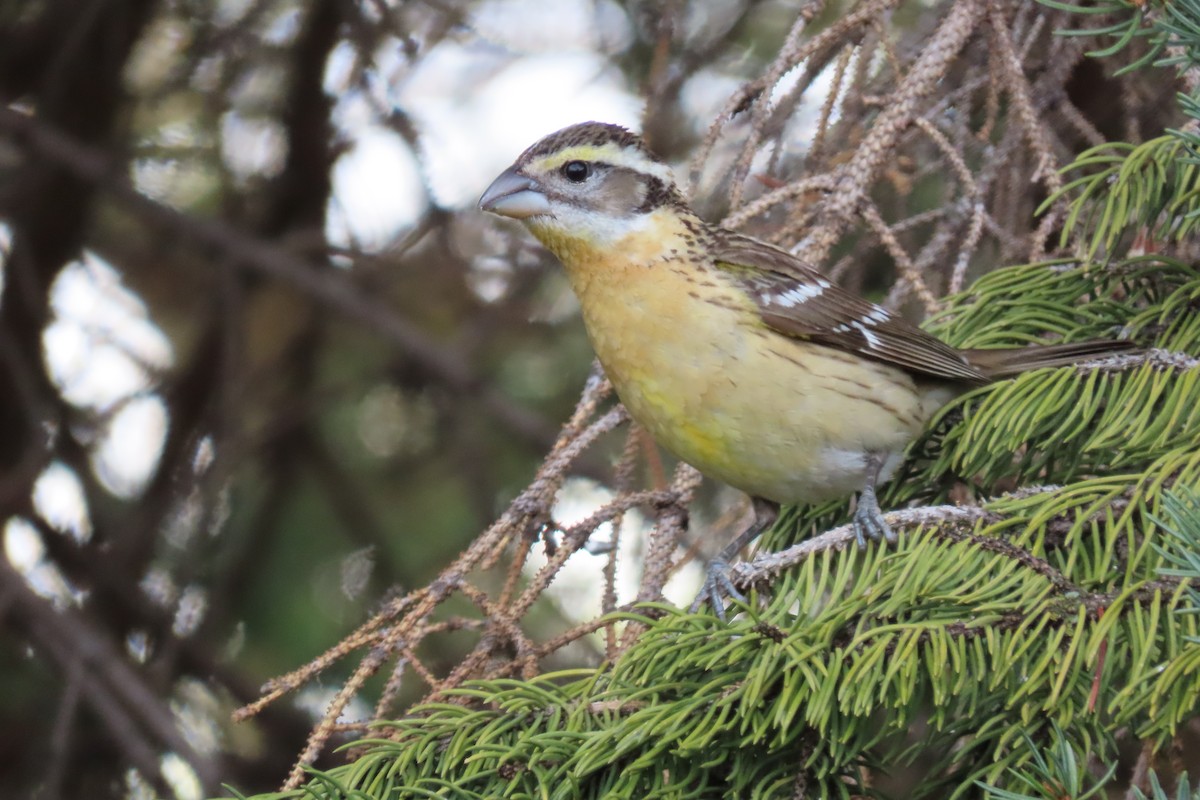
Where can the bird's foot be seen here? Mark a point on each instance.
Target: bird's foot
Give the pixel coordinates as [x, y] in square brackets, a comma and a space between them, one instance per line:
[869, 522]
[718, 585]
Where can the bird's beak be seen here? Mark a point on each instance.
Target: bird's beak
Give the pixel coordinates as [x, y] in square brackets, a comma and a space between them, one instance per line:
[514, 195]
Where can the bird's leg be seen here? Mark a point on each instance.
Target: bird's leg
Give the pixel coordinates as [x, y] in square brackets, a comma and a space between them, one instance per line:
[868, 519]
[717, 584]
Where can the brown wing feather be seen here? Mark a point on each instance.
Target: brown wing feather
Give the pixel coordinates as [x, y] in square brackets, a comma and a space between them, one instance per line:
[796, 300]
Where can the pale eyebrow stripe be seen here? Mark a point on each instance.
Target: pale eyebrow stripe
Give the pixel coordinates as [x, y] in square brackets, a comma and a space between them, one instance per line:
[609, 153]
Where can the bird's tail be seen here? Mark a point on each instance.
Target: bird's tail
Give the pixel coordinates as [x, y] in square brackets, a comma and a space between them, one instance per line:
[1005, 363]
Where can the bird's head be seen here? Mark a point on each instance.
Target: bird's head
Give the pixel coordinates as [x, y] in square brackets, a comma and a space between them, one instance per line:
[590, 184]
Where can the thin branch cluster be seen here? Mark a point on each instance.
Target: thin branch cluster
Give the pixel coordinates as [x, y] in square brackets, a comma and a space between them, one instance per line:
[392, 637]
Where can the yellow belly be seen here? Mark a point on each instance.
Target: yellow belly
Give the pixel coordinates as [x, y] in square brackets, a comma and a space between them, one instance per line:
[776, 417]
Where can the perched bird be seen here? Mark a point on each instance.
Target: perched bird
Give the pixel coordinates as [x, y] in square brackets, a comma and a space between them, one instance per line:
[739, 358]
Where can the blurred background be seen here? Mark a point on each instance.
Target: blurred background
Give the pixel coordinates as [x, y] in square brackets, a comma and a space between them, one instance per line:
[261, 359]
[264, 364]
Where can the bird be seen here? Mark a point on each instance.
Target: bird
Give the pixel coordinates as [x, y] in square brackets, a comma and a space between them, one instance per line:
[737, 356]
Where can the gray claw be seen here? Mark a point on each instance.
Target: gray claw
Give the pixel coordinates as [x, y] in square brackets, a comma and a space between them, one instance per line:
[717, 586]
[869, 522]
[868, 519]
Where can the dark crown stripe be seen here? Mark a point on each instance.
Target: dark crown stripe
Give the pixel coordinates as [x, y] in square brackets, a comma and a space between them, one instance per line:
[587, 134]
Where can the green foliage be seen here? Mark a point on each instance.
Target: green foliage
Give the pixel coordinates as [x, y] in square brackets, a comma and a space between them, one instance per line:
[1052, 622]
[1181, 553]
[1124, 187]
[1060, 775]
[1180, 22]
[1104, 420]
[701, 708]
[1153, 188]
[1063, 776]
[1130, 25]
[1182, 792]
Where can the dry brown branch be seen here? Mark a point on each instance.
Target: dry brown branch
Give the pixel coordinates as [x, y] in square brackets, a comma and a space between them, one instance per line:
[791, 53]
[864, 166]
[971, 198]
[624, 481]
[763, 567]
[139, 722]
[1040, 138]
[778, 196]
[754, 91]
[503, 646]
[831, 100]
[912, 276]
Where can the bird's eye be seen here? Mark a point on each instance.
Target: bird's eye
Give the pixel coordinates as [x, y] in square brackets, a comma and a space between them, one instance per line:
[576, 171]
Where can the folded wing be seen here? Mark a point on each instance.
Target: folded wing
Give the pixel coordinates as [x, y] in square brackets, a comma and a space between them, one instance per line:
[796, 300]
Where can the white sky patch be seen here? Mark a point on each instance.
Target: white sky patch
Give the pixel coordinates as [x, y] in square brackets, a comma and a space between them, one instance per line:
[315, 701]
[25, 550]
[175, 182]
[787, 84]
[129, 452]
[23, 546]
[590, 25]
[190, 611]
[377, 191]
[707, 92]
[803, 126]
[283, 28]
[200, 712]
[475, 109]
[90, 373]
[814, 96]
[579, 587]
[490, 278]
[59, 499]
[180, 776]
[229, 12]
[682, 587]
[102, 346]
[5, 247]
[523, 102]
[252, 146]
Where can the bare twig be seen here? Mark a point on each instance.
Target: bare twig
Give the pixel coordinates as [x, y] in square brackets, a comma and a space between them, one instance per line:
[940, 51]
[763, 567]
